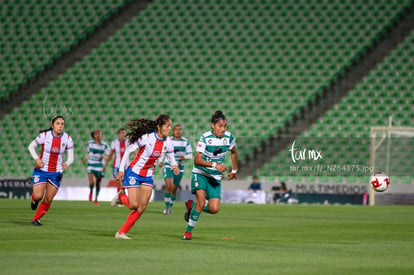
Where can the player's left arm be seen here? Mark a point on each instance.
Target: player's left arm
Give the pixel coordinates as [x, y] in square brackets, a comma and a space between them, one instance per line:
[188, 152]
[70, 150]
[171, 158]
[160, 160]
[106, 153]
[108, 159]
[70, 159]
[233, 156]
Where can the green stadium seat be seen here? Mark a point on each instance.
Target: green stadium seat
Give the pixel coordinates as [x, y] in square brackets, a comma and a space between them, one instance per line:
[366, 105]
[249, 59]
[49, 29]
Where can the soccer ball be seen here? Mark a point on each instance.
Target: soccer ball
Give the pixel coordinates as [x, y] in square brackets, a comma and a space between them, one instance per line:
[379, 182]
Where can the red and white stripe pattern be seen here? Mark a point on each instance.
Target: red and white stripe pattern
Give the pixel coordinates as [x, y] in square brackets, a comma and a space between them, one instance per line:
[53, 149]
[150, 149]
[119, 148]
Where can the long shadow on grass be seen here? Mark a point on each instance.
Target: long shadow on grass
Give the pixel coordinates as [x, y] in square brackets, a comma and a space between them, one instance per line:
[92, 232]
[51, 224]
[27, 222]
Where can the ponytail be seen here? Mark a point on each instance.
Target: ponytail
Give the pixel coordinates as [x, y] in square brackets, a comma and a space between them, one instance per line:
[139, 127]
[45, 130]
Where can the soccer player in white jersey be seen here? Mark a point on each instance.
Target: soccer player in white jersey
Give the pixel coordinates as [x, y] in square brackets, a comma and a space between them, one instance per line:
[47, 175]
[182, 151]
[118, 148]
[97, 151]
[151, 139]
[207, 172]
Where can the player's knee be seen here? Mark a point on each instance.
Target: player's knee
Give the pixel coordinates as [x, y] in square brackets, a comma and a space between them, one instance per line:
[133, 206]
[213, 209]
[37, 197]
[141, 208]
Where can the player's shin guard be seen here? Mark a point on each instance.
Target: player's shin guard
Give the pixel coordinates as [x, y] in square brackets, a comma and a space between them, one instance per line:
[167, 199]
[172, 200]
[98, 188]
[124, 199]
[42, 210]
[205, 209]
[131, 220]
[194, 216]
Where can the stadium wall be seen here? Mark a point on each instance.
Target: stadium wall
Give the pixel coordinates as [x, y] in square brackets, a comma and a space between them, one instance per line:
[232, 192]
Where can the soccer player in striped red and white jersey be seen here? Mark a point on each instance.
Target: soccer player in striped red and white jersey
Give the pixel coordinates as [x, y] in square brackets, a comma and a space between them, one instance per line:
[151, 139]
[118, 148]
[47, 174]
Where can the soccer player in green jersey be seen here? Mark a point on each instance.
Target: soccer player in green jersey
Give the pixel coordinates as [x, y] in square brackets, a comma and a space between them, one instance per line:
[208, 171]
[182, 151]
[97, 153]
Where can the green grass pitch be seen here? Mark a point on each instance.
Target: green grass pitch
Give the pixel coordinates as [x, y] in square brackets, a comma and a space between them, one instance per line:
[78, 238]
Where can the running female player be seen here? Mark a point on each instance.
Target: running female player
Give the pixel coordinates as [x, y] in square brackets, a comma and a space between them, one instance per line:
[207, 172]
[152, 139]
[182, 151]
[49, 169]
[97, 152]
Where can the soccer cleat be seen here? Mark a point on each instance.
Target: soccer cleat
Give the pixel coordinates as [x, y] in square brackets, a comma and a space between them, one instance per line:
[187, 210]
[115, 200]
[167, 211]
[122, 236]
[34, 205]
[96, 203]
[187, 236]
[36, 223]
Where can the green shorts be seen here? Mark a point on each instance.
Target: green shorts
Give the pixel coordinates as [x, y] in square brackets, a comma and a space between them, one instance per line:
[169, 174]
[96, 173]
[211, 186]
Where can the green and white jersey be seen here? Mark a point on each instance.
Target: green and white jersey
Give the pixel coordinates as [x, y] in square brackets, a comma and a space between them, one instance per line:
[182, 147]
[95, 155]
[214, 149]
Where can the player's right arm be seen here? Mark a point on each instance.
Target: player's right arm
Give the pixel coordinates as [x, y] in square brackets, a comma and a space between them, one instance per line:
[198, 160]
[85, 158]
[87, 155]
[32, 150]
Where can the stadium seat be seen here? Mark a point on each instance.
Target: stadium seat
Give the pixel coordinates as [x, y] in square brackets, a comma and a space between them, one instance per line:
[252, 60]
[368, 104]
[36, 33]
